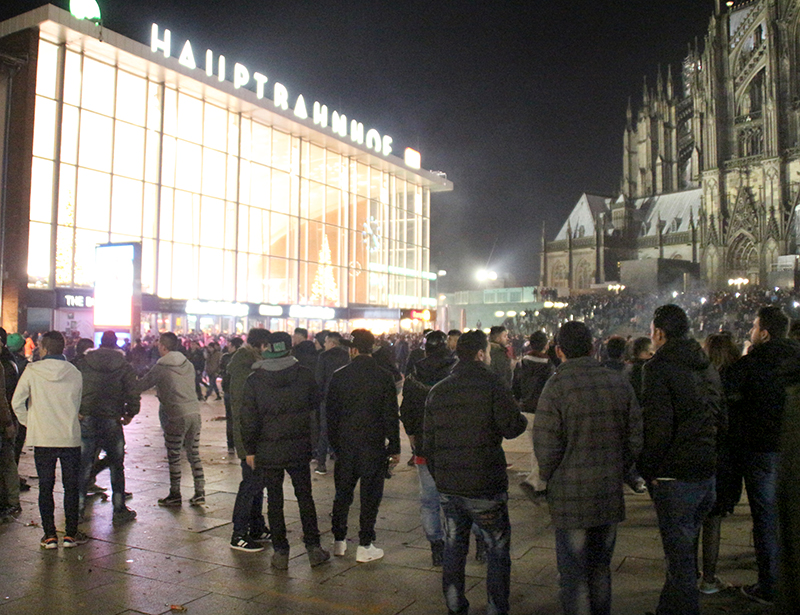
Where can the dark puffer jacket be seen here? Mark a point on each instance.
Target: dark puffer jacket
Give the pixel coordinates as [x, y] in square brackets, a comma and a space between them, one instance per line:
[426, 373]
[110, 389]
[467, 415]
[277, 414]
[681, 403]
[530, 376]
[757, 395]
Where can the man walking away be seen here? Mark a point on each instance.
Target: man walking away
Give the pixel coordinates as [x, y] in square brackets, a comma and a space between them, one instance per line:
[233, 345]
[279, 401]
[500, 361]
[615, 352]
[47, 401]
[213, 358]
[332, 358]
[110, 400]
[467, 415]
[681, 402]
[530, 376]
[587, 432]
[362, 416]
[757, 400]
[173, 375]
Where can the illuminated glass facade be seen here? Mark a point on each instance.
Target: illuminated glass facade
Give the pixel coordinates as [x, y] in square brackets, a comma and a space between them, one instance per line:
[228, 204]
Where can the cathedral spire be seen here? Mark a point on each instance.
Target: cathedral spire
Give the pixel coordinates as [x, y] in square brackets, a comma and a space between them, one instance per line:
[645, 94]
[629, 114]
[659, 84]
[670, 93]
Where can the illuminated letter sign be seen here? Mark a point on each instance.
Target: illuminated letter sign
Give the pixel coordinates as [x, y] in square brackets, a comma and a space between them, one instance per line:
[312, 312]
[114, 290]
[270, 310]
[412, 158]
[424, 315]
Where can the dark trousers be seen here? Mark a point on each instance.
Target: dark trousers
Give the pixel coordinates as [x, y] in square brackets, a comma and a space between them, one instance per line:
[212, 385]
[301, 482]
[226, 397]
[348, 471]
[760, 479]
[45, 458]
[106, 434]
[584, 568]
[491, 518]
[248, 517]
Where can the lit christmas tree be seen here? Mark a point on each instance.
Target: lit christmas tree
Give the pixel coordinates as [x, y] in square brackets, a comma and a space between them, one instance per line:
[324, 288]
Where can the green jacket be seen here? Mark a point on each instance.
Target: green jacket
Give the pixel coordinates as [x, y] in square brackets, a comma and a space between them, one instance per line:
[239, 368]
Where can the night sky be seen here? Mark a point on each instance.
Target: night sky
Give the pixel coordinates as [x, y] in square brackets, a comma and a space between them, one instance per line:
[522, 104]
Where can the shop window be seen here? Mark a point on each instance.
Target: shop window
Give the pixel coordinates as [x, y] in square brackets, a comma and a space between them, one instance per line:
[95, 141]
[129, 150]
[44, 128]
[131, 98]
[98, 87]
[41, 190]
[126, 206]
[94, 200]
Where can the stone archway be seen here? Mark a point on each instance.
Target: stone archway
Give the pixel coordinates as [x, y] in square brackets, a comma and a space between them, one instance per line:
[742, 258]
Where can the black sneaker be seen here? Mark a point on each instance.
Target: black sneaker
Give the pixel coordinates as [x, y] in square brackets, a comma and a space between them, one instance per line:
[262, 536]
[49, 542]
[244, 543]
[124, 515]
[756, 594]
[79, 538]
[198, 499]
[10, 513]
[173, 499]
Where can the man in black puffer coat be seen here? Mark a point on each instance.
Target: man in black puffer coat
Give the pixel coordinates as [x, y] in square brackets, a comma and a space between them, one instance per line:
[277, 415]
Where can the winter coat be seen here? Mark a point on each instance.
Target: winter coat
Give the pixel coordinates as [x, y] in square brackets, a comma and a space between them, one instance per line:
[306, 353]
[788, 493]
[329, 361]
[426, 373]
[110, 389]
[361, 407]
[173, 377]
[212, 362]
[279, 401]
[530, 376]
[239, 368]
[10, 373]
[6, 416]
[467, 415]
[757, 396]
[47, 400]
[501, 363]
[586, 434]
[681, 403]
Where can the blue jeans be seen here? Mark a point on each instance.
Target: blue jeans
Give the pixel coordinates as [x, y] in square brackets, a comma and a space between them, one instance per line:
[430, 508]
[681, 507]
[491, 518]
[760, 478]
[106, 434]
[584, 565]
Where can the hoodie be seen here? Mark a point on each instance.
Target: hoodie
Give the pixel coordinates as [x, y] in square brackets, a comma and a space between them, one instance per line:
[682, 405]
[279, 403]
[173, 377]
[109, 384]
[47, 400]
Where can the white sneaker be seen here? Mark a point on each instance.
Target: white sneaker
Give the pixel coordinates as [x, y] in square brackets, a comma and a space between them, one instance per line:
[339, 547]
[368, 554]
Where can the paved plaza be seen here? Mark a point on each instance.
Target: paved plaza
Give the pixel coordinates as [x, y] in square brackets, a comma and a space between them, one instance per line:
[171, 560]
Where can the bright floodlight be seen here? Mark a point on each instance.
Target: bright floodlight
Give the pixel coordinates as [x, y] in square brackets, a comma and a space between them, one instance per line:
[85, 9]
[441, 273]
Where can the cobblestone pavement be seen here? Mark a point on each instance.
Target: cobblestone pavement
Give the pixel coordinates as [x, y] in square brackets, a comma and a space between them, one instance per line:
[178, 559]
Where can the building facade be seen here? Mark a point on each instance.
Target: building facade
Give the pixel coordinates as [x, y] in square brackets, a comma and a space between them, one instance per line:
[250, 209]
[711, 169]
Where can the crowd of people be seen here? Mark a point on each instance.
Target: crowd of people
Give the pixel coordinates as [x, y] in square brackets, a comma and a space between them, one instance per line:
[689, 424]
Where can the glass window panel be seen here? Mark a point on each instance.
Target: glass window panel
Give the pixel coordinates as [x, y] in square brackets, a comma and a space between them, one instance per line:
[280, 236]
[316, 202]
[241, 276]
[229, 276]
[129, 150]
[41, 190]
[230, 226]
[98, 86]
[126, 207]
[259, 186]
[187, 166]
[66, 195]
[213, 270]
[212, 223]
[72, 78]
[213, 175]
[69, 134]
[314, 239]
[261, 143]
[247, 139]
[94, 200]
[44, 128]
[215, 127]
[426, 203]
[333, 207]
[170, 112]
[64, 250]
[362, 180]
[150, 211]
[168, 157]
[167, 210]
[85, 243]
[335, 174]
[255, 278]
[184, 263]
[232, 184]
[165, 269]
[153, 106]
[244, 223]
[279, 282]
[131, 98]
[190, 118]
[47, 69]
[244, 182]
[38, 255]
[95, 141]
[304, 198]
[184, 214]
[256, 240]
[281, 151]
[149, 266]
[302, 283]
[375, 177]
[295, 163]
[151, 157]
[281, 196]
[233, 133]
[316, 163]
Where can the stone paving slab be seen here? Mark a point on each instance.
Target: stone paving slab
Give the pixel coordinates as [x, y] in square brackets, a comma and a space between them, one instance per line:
[180, 556]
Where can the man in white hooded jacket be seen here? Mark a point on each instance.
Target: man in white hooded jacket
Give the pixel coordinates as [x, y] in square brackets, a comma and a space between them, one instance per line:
[47, 400]
[179, 413]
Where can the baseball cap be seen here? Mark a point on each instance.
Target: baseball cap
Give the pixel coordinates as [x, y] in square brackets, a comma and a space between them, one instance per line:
[361, 339]
[278, 344]
[15, 342]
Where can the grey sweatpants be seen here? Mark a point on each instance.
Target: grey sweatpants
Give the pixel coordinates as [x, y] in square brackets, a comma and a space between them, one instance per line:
[183, 431]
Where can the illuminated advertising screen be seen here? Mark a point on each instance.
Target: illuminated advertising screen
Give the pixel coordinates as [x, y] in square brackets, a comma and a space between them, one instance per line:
[115, 285]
